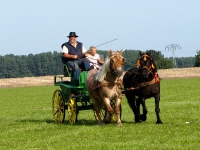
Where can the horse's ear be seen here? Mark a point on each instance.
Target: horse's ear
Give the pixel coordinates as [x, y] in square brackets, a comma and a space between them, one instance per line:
[120, 52]
[140, 53]
[111, 52]
[149, 52]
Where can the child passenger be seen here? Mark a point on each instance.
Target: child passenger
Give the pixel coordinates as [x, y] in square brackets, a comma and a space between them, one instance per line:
[94, 58]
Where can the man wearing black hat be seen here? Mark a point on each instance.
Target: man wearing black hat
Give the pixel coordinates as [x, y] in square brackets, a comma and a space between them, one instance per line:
[72, 52]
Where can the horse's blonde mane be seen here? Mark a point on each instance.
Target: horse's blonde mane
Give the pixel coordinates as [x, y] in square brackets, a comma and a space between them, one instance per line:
[104, 69]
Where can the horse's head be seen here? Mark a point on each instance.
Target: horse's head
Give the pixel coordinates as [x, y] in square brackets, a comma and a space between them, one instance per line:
[116, 62]
[145, 63]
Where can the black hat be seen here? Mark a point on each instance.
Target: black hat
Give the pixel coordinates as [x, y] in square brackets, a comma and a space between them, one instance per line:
[72, 34]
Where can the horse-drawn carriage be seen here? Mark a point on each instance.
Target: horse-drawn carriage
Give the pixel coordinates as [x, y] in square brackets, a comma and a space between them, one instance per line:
[104, 97]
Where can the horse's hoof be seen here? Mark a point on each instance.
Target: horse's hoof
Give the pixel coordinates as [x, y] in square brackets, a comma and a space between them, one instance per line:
[106, 121]
[101, 124]
[138, 121]
[143, 117]
[119, 124]
[159, 122]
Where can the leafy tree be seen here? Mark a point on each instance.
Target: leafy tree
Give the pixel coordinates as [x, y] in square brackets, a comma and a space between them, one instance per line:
[57, 65]
[3, 67]
[31, 64]
[197, 59]
[164, 63]
[185, 62]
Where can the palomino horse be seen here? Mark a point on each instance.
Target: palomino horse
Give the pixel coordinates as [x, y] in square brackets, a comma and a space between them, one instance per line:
[141, 82]
[105, 85]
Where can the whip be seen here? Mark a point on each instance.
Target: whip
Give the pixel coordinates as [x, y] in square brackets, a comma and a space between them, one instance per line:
[106, 42]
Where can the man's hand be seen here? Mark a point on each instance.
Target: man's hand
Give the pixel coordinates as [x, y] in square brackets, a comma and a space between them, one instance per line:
[74, 56]
[69, 56]
[86, 54]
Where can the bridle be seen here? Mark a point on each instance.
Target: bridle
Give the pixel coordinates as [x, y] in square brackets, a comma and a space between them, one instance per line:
[143, 83]
[150, 68]
[113, 67]
[113, 70]
[144, 57]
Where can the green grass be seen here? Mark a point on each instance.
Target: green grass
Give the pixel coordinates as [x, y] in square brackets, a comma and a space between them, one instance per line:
[26, 122]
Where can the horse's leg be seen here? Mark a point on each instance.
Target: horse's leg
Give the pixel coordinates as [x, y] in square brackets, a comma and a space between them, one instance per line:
[109, 109]
[138, 102]
[157, 109]
[97, 110]
[118, 111]
[107, 118]
[131, 101]
[143, 117]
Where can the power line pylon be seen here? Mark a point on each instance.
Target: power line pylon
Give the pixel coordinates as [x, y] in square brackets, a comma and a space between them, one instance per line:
[172, 48]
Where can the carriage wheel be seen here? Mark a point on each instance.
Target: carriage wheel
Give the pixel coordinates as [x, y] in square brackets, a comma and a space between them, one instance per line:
[58, 107]
[114, 116]
[72, 110]
[102, 114]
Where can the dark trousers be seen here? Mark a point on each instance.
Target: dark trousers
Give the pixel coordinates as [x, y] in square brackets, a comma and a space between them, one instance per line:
[76, 64]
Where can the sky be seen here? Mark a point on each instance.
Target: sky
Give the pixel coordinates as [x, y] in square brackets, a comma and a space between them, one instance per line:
[39, 26]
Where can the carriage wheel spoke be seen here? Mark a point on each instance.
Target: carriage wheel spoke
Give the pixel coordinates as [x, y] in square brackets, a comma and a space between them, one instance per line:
[58, 109]
[72, 110]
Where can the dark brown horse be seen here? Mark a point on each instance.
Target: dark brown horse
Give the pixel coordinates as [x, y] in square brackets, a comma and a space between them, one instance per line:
[140, 82]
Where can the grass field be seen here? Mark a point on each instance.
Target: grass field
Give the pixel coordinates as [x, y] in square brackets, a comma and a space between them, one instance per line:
[26, 122]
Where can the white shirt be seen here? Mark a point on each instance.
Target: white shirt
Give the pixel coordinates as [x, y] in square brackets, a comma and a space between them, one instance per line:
[93, 60]
[65, 49]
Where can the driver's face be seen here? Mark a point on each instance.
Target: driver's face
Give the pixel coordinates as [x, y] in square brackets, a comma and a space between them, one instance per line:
[72, 39]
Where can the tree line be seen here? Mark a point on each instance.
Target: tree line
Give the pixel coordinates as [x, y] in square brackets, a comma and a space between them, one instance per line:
[48, 63]
[32, 65]
[161, 62]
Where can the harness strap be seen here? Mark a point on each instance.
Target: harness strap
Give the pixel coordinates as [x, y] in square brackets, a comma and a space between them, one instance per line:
[140, 85]
[108, 83]
[147, 83]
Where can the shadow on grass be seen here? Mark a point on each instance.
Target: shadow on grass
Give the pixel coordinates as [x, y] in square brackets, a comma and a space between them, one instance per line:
[81, 122]
[36, 121]
[66, 122]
